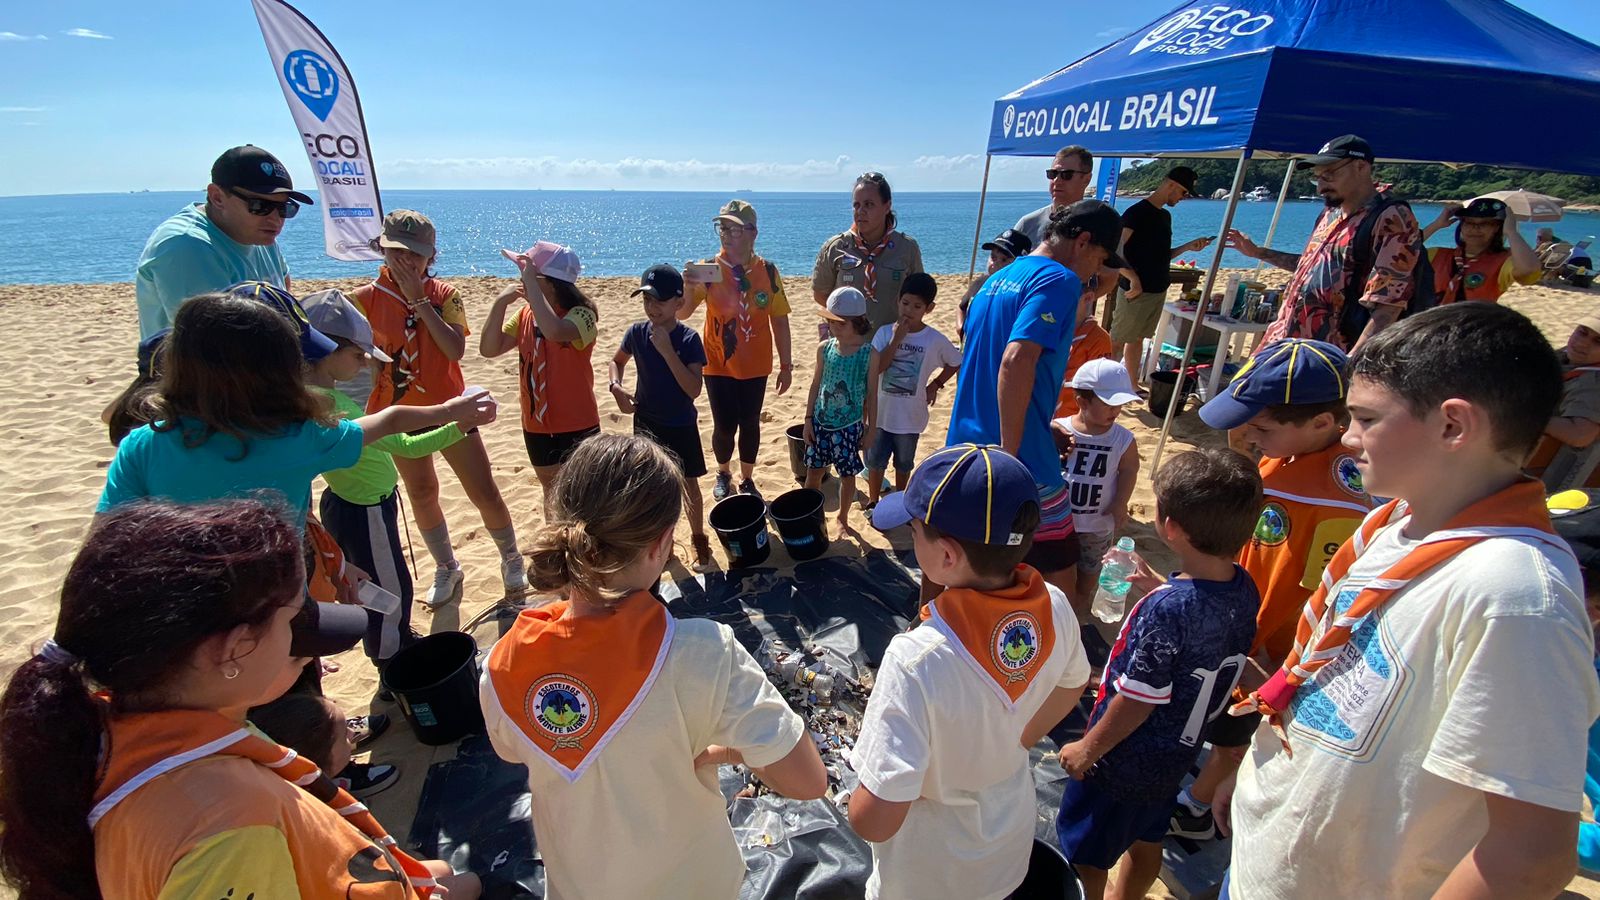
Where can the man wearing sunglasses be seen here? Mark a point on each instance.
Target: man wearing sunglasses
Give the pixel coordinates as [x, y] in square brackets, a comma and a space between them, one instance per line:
[231, 237]
[1315, 296]
[1068, 179]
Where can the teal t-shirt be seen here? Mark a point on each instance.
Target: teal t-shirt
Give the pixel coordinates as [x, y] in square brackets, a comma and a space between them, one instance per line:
[374, 476]
[842, 395]
[276, 468]
[188, 255]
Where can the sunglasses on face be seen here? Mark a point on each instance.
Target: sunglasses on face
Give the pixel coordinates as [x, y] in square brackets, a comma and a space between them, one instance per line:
[1053, 174]
[1328, 175]
[261, 207]
[728, 228]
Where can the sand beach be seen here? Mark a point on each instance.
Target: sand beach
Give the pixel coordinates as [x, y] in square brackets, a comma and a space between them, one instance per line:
[71, 352]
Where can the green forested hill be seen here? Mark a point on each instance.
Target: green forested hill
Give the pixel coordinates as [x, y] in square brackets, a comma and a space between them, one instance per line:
[1419, 182]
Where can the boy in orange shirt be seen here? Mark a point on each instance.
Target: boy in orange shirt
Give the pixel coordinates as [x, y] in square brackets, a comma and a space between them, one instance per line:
[1288, 403]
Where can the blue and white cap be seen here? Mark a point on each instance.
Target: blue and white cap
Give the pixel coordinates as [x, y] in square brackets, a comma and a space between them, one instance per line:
[969, 491]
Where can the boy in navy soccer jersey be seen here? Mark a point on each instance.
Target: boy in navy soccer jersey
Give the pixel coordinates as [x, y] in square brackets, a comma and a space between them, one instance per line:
[1172, 669]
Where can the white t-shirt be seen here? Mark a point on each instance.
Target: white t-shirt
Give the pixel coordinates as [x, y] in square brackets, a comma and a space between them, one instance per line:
[1091, 473]
[1477, 678]
[902, 397]
[642, 821]
[936, 733]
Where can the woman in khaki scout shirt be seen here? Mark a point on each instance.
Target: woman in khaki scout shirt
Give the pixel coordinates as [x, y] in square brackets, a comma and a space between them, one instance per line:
[872, 256]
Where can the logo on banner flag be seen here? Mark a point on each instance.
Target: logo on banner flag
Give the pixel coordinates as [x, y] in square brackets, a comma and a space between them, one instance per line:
[322, 98]
[313, 81]
[1197, 32]
[1009, 119]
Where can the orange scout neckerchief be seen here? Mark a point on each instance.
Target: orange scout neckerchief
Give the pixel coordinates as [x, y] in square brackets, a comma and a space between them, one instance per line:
[1004, 634]
[145, 746]
[570, 685]
[1517, 511]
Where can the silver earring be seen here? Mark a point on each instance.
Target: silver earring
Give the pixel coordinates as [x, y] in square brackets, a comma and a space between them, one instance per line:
[231, 673]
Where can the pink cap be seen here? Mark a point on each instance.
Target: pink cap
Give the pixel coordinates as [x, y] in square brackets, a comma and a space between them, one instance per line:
[551, 260]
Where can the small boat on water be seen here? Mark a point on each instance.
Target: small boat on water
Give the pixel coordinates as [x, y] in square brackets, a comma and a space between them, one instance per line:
[1262, 192]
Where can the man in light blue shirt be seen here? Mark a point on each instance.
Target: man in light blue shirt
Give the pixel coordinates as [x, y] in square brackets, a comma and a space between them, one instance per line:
[228, 239]
[1019, 336]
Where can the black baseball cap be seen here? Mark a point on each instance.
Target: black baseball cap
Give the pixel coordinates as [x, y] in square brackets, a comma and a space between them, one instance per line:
[1184, 176]
[660, 282]
[255, 170]
[1484, 208]
[1348, 146]
[323, 629]
[1103, 223]
[1011, 241]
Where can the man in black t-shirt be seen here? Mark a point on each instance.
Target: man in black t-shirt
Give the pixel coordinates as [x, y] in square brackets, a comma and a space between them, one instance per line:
[1147, 248]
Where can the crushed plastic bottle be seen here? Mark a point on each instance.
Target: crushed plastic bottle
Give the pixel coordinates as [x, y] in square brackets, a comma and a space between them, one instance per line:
[1112, 597]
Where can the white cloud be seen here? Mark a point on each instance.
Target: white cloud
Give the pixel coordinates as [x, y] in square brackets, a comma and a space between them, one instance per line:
[948, 163]
[626, 169]
[22, 109]
[1114, 31]
[86, 33]
[13, 36]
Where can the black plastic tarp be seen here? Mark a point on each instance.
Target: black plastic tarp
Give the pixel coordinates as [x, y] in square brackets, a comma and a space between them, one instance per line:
[474, 809]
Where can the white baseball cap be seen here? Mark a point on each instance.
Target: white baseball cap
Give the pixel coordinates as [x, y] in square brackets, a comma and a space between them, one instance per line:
[1108, 379]
[332, 313]
[551, 260]
[845, 303]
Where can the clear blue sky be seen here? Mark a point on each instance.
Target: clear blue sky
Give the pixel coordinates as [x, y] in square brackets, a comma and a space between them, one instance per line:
[627, 94]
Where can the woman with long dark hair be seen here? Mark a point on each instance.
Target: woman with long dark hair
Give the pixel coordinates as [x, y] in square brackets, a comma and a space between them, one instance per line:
[872, 256]
[128, 769]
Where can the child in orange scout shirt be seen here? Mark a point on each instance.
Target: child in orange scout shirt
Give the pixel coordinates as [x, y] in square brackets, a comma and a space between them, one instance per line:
[943, 749]
[1289, 403]
[554, 338]
[1089, 341]
[420, 323]
[621, 712]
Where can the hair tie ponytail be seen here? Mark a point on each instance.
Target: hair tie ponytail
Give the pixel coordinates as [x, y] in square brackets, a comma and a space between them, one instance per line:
[53, 652]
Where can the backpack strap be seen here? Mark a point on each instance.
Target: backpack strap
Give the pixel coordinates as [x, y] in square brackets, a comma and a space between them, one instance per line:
[1363, 255]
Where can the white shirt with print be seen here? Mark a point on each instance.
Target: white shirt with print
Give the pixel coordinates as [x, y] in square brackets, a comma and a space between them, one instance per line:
[902, 396]
[1477, 678]
[936, 734]
[1091, 471]
[642, 821]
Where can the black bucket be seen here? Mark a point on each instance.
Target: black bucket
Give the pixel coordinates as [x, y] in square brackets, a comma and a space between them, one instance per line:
[797, 451]
[798, 518]
[1164, 392]
[1050, 876]
[435, 681]
[740, 522]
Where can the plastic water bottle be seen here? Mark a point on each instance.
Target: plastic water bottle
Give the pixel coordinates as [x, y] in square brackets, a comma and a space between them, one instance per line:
[1109, 600]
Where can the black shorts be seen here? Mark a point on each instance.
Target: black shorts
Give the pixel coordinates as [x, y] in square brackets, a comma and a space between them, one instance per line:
[416, 431]
[682, 441]
[1053, 556]
[553, 449]
[1232, 731]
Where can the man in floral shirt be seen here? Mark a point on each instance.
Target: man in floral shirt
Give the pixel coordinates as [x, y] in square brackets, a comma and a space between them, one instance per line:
[1315, 295]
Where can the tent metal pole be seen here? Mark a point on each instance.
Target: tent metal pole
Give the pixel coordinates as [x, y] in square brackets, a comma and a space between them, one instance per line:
[1200, 311]
[1283, 197]
[977, 233]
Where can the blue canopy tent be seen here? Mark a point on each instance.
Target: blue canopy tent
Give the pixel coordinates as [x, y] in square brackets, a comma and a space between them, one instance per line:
[1423, 80]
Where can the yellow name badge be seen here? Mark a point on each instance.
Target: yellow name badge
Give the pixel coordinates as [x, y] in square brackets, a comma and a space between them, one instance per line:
[1325, 542]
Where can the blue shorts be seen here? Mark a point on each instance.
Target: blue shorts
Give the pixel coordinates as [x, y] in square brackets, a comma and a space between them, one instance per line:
[837, 447]
[1096, 829]
[903, 447]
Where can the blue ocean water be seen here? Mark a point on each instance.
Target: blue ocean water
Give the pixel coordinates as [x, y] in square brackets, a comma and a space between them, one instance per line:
[98, 237]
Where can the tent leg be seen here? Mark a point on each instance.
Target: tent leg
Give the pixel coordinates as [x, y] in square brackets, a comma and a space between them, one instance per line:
[1283, 197]
[1205, 298]
[977, 233]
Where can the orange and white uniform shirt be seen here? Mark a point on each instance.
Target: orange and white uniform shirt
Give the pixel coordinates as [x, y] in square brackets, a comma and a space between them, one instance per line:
[943, 732]
[739, 312]
[608, 714]
[419, 374]
[192, 805]
[556, 377]
[1314, 502]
